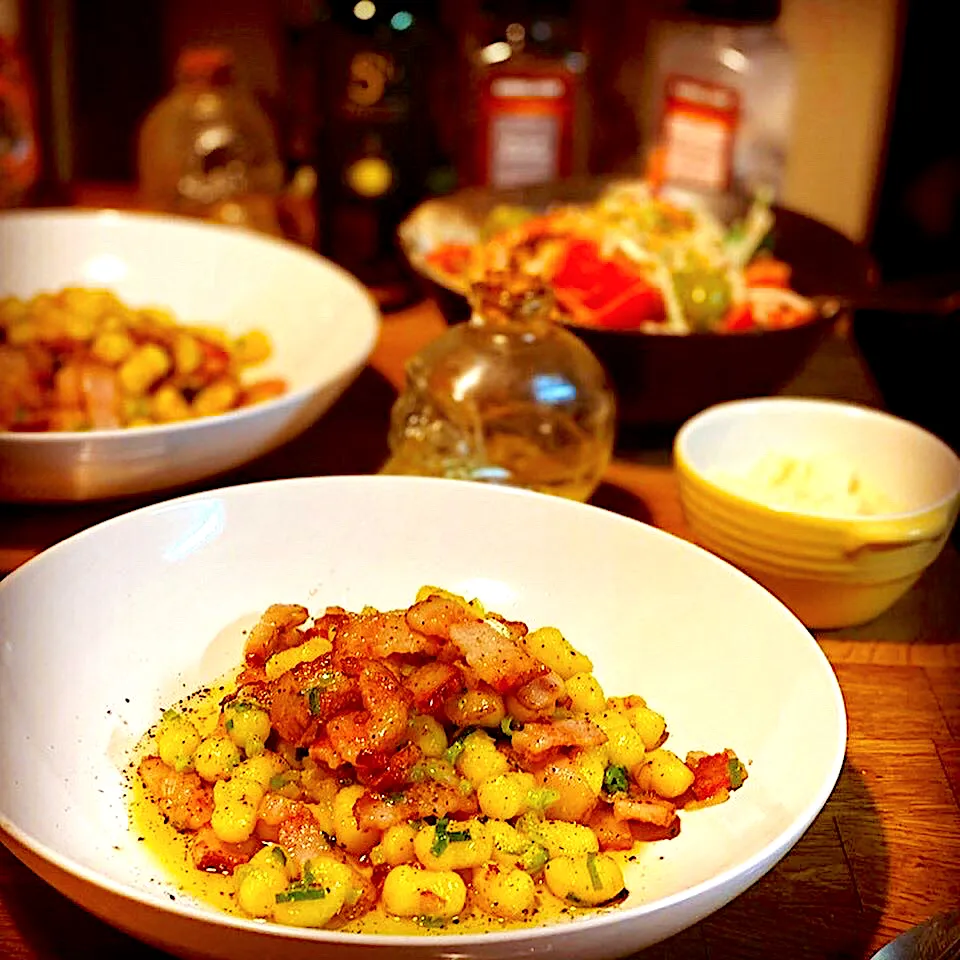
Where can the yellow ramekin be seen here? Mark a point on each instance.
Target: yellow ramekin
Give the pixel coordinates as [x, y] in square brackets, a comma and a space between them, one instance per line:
[832, 571]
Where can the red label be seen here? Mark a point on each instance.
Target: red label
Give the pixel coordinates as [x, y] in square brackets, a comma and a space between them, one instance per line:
[697, 132]
[526, 128]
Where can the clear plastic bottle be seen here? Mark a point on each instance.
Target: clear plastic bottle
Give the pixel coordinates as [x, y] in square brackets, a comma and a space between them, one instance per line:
[719, 109]
[508, 397]
[208, 150]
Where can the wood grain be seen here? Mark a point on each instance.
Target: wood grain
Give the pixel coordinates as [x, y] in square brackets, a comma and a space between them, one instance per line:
[945, 683]
[890, 701]
[884, 852]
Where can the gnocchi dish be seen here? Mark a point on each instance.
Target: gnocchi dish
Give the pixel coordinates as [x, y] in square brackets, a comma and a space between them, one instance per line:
[421, 769]
[81, 359]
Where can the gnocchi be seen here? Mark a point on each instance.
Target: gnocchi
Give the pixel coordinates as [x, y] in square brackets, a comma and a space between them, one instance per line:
[81, 359]
[369, 765]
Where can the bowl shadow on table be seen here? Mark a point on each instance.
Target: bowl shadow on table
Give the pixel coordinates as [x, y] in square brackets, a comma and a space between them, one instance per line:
[832, 886]
[610, 496]
[53, 926]
[350, 439]
[926, 614]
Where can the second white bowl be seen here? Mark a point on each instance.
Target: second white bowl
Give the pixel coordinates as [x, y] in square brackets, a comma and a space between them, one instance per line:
[322, 323]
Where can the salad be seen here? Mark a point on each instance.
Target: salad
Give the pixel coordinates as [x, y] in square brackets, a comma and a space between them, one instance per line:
[634, 259]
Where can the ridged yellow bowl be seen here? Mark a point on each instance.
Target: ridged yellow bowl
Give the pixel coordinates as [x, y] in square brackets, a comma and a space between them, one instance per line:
[832, 569]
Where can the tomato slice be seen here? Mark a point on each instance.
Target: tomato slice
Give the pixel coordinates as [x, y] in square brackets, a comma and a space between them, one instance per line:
[719, 771]
[738, 319]
[602, 292]
[767, 271]
[451, 258]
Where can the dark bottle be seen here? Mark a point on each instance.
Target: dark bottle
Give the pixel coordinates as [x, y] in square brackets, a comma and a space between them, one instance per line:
[377, 153]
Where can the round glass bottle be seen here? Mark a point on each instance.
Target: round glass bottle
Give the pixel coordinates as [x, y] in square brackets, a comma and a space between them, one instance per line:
[508, 397]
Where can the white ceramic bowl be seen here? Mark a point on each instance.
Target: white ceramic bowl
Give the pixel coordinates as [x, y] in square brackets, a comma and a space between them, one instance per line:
[104, 630]
[832, 570]
[322, 322]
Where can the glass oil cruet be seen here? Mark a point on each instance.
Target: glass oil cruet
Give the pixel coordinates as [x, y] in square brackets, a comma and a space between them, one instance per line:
[509, 397]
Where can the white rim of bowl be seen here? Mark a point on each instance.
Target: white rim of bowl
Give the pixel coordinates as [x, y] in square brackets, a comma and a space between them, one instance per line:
[783, 842]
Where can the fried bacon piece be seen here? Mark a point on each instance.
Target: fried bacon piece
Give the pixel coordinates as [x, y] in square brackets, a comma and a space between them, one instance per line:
[497, 659]
[435, 615]
[537, 699]
[715, 773]
[380, 635]
[303, 698]
[381, 724]
[648, 808]
[321, 750]
[373, 811]
[649, 832]
[387, 771]
[612, 833]
[301, 837]
[211, 854]
[183, 798]
[274, 809]
[276, 630]
[432, 684]
[537, 741]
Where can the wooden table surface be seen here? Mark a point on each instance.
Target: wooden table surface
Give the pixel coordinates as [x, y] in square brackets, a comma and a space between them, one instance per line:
[883, 854]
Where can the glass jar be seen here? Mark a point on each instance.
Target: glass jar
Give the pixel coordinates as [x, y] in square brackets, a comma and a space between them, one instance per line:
[208, 150]
[508, 397]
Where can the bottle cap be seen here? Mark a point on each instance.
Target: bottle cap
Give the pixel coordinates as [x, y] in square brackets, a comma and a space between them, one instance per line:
[735, 11]
[207, 64]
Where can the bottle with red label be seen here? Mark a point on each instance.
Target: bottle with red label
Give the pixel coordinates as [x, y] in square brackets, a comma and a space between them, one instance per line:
[528, 72]
[719, 111]
[19, 149]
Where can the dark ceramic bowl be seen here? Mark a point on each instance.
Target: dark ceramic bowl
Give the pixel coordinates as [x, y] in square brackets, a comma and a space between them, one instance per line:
[661, 380]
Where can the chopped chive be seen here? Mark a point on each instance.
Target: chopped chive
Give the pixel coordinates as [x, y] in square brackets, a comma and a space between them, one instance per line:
[592, 870]
[440, 839]
[615, 779]
[509, 726]
[301, 894]
[735, 773]
[443, 837]
[539, 799]
[452, 753]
